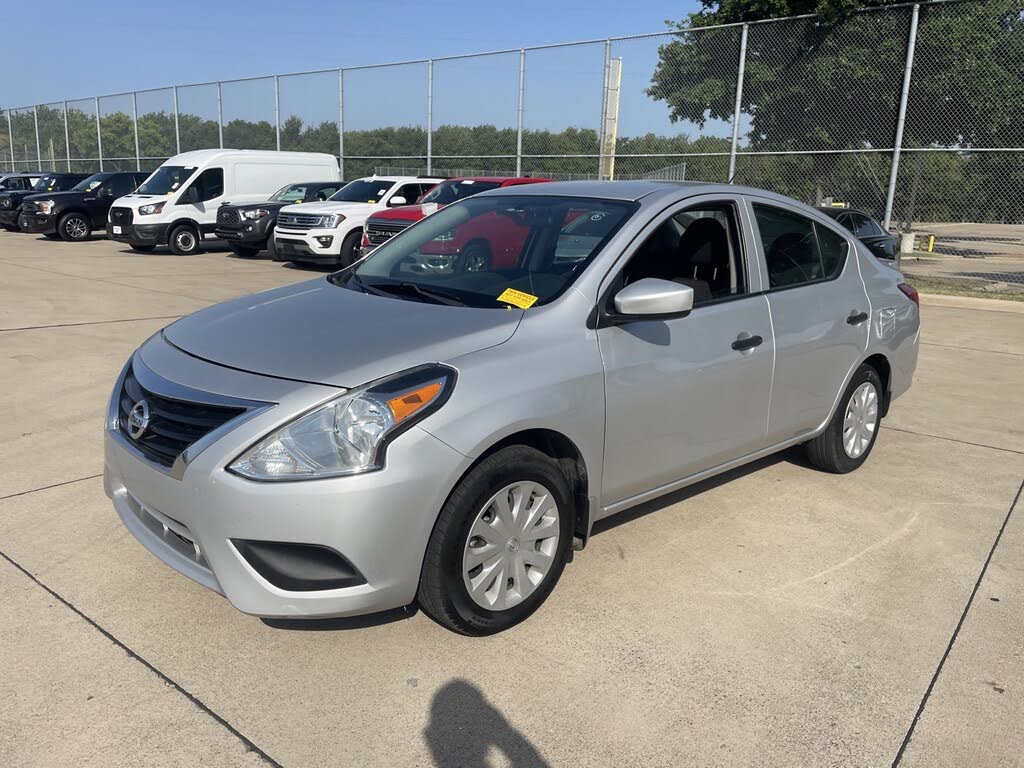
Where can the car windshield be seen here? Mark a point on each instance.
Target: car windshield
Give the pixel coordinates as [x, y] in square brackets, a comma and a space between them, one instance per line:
[166, 180]
[290, 193]
[45, 184]
[492, 252]
[363, 191]
[88, 185]
[449, 191]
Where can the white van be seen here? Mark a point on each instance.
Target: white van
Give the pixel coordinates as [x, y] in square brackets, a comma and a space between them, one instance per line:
[177, 205]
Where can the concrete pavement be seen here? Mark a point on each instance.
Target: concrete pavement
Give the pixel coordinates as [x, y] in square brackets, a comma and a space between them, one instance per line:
[776, 615]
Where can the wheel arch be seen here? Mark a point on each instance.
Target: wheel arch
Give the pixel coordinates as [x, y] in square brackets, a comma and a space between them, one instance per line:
[883, 367]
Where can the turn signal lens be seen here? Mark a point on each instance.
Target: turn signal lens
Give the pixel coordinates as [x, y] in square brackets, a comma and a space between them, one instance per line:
[910, 292]
[406, 405]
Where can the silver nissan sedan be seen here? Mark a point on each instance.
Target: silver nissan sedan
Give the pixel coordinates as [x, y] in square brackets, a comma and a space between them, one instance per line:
[445, 420]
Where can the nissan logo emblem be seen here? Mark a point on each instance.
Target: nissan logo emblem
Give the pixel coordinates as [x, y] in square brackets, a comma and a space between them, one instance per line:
[138, 419]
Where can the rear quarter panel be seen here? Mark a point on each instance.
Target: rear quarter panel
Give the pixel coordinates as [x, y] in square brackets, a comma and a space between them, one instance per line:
[895, 320]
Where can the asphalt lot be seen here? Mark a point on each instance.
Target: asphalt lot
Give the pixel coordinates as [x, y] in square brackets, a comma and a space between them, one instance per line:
[775, 616]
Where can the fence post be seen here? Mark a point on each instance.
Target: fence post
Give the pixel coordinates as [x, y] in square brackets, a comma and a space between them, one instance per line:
[898, 144]
[99, 133]
[430, 116]
[519, 112]
[135, 129]
[220, 118]
[341, 122]
[739, 104]
[10, 137]
[277, 111]
[177, 129]
[604, 108]
[39, 152]
[67, 136]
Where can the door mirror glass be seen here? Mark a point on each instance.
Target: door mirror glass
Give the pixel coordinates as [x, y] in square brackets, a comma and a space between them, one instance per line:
[652, 296]
[397, 200]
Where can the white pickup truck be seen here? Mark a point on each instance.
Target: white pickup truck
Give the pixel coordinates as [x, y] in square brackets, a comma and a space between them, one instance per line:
[329, 232]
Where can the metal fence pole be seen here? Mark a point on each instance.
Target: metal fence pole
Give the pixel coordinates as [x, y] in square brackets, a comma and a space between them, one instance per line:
[341, 122]
[430, 116]
[738, 106]
[519, 112]
[604, 108]
[39, 152]
[277, 111]
[67, 136]
[135, 128]
[99, 134]
[177, 129]
[220, 118]
[10, 137]
[901, 120]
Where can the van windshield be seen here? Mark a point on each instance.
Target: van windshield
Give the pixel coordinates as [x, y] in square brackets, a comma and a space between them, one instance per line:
[166, 180]
[363, 191]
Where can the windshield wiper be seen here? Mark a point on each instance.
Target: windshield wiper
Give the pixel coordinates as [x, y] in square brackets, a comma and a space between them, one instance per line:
[435, 297]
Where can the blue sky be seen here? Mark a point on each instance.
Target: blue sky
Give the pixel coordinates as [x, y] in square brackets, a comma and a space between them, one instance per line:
[146, 45]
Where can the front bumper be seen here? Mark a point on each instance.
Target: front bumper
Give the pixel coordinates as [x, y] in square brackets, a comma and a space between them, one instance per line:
[380, 521]
[37, 223]
[303, 245]
[138, 234]
[248, 232]
[9, 217]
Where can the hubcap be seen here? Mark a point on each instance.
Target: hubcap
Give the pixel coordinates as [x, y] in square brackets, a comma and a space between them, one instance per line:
[76, 228]
[186, 241]
[511, 546]
[861, 420]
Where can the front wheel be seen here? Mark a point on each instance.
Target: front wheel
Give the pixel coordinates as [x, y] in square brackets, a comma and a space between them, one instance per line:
[184, 240]
[500, 543]
[74, 227]
[348, 248]
[246, 251]
[851, 434]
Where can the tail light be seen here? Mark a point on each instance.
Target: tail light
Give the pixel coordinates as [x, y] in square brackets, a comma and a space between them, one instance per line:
[910, 292]
[366, 241]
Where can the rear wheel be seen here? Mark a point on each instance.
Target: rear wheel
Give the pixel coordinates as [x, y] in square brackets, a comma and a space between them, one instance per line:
[74, 227]
[243, 250]
[850, 436]
[500, 543]
[184, 240]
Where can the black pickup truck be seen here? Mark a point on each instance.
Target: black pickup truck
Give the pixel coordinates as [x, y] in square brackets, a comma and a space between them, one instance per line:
[73, 215]
[10, 202]
[249, 228]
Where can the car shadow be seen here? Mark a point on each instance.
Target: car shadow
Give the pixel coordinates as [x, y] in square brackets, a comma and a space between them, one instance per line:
[343, 622]
[464, 727]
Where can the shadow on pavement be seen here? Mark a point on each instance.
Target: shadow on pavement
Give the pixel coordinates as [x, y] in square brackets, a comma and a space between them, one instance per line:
[464, 726]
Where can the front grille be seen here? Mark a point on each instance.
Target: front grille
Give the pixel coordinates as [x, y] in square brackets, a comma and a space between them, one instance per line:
[299, 220]
[121, 215]
[378, 232]
[173, 424]
[228, 216]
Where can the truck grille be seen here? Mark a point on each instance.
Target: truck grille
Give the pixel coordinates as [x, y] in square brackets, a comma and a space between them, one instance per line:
[173, 424]
[378, 232]
[228, 216]
[300, 220]
[121, 215]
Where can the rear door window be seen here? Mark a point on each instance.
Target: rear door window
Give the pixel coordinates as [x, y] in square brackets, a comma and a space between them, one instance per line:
[796, 250]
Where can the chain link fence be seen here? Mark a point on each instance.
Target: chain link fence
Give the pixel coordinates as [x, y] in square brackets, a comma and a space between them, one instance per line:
[911, 113]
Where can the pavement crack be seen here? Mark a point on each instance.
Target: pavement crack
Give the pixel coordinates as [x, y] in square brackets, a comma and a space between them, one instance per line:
[249, 745]
[47, 487]
[91, 322]
[955, 440]
[956, 632]
[971, 349]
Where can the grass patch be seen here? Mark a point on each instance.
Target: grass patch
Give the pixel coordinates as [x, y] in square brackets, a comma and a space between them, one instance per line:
[956, 286]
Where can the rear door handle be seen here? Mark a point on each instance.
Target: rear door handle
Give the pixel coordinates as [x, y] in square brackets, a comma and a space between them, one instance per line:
[748, 342]
[857, 318]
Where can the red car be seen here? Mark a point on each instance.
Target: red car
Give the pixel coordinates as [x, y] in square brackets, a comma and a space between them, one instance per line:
[382, 226]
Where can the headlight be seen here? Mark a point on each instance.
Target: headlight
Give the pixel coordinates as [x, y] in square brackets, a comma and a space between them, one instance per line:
[148, 210]
[258, 213]
[348, 435]
[45, 206]
[330, 222]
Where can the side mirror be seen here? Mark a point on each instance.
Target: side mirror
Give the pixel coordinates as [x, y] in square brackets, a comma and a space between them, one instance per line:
[652, 297]
[397, 200]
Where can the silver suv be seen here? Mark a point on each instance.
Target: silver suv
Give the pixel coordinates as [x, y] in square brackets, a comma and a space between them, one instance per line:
[387, 434]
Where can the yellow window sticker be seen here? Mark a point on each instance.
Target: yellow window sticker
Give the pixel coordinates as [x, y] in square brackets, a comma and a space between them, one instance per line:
[518, 298]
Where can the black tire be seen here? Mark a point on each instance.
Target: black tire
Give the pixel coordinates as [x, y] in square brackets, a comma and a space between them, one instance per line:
[442, 591]
[142, 248]
[475, 257]
[74, 227]
[271, 246]
[348, 248]
[245, 251]
[827, 451]
[184, 240]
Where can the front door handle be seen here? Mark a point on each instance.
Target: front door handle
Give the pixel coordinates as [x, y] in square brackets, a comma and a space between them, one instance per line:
[748, 342]
[857, 318]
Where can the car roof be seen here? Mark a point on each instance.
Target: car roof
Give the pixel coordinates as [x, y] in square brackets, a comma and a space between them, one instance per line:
[634, 191]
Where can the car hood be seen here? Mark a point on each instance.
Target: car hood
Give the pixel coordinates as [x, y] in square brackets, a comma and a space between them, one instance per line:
[273, 205]
[326, 207]
[55, 196]
[407, 212]
[323, 333]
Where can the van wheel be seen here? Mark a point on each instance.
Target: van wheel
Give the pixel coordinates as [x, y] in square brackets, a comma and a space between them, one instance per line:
[74, 227]
[348, 248]
[850, 436]
[184, 240]
[500, 543]
[243, 250]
